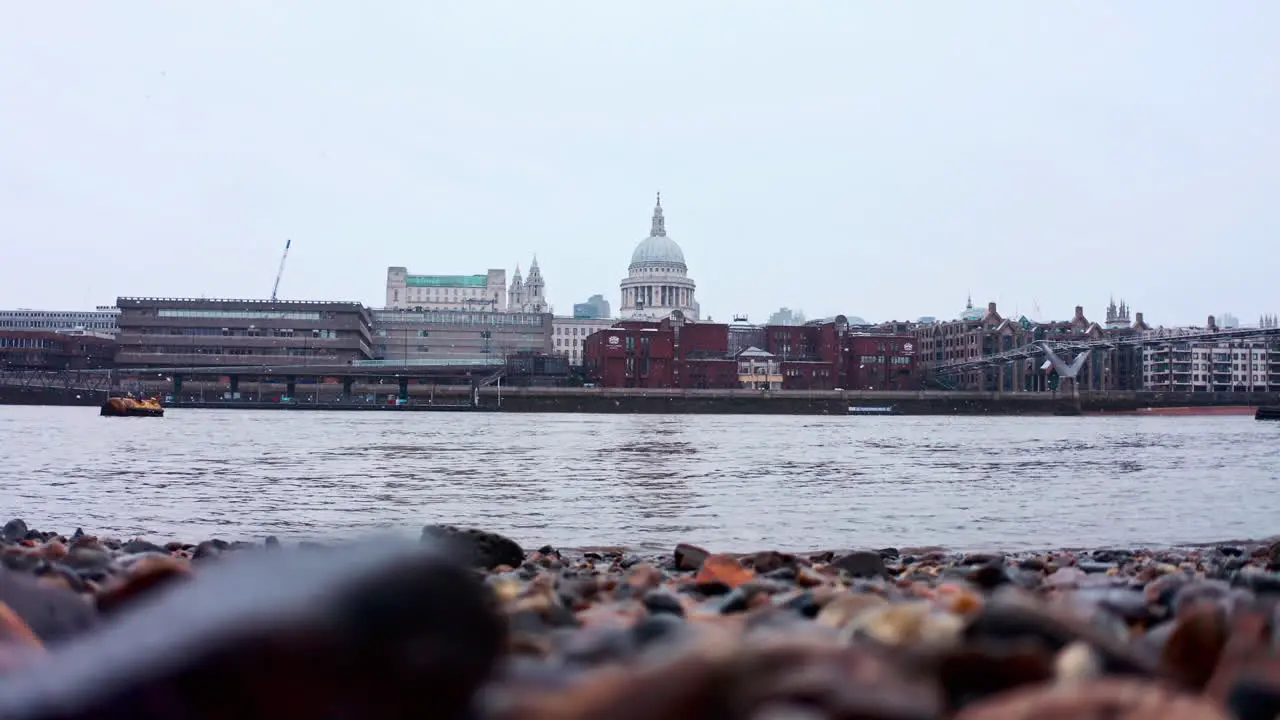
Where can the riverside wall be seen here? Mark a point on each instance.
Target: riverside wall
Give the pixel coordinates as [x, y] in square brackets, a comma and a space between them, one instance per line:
[797, 402]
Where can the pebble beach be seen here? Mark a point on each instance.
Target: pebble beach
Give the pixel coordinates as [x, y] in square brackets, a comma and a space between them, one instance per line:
[468, 623]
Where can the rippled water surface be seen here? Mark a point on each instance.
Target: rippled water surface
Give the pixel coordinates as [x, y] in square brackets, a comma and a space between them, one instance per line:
[646, 481]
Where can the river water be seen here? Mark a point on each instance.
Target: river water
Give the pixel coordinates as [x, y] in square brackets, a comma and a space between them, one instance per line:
[646, 481]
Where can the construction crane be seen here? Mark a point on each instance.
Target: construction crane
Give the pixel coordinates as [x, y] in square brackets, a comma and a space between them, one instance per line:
[280, 272]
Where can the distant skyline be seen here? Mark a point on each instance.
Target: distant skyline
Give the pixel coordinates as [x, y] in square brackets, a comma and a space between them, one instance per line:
[871, 159]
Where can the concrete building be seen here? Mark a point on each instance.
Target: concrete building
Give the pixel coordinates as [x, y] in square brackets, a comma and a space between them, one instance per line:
[1238, 365]
[101, 322]
[414, 335]
[658, 283]
[570, 334]
[1241, 366]
[48, 350]
[594, 308]
[479, 293]
[528, 296]
[169, 332]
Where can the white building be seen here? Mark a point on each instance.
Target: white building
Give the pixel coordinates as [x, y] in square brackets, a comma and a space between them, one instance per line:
[101, 321]
[1206, 366]
[486, 292]
[658, 281]
[567, 335]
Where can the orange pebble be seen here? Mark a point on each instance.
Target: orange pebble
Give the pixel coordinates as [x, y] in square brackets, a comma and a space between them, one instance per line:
[723, 569]
[53, 550]
[14, 629]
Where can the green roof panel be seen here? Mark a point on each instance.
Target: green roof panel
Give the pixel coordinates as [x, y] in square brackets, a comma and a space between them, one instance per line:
[446, 280]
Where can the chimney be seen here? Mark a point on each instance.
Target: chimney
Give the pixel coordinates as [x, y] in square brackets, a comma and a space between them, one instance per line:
[991, 308]
[1213, 323]
[1139, 320]
[1079, 312]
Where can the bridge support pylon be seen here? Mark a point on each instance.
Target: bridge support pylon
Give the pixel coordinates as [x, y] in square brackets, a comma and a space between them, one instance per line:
[1068, 372]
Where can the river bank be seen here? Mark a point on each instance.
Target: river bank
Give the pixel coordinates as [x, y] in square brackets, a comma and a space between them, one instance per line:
[94, 626]
[681, 402]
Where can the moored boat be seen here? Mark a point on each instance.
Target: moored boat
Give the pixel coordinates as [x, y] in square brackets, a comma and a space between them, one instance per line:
[1267, 413]
[132, 407]
[872, 410]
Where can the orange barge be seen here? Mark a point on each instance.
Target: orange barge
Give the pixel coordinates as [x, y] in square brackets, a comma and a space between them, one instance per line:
[130, 407]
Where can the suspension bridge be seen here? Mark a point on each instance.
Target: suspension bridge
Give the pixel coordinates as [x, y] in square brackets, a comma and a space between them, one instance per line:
[1081, 348]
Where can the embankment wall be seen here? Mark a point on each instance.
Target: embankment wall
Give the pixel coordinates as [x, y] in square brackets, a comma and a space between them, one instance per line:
[609, 400]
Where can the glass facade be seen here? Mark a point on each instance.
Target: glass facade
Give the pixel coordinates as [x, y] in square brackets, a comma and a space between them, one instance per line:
[447, 281]
[450, 317]
[239, 314]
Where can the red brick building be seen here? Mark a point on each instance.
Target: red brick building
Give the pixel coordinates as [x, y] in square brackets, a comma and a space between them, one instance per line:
[816, 356]
[661, 355]
[810, 356]
[881, 362]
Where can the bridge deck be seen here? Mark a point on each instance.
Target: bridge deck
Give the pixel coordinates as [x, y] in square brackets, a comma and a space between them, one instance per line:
[1037, 349]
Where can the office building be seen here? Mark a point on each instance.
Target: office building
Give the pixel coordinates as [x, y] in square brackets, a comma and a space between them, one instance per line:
[416, 335]
[100, 322]
[188, 332]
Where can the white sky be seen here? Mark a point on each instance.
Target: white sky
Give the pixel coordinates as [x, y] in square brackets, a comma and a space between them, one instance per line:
[872, 158]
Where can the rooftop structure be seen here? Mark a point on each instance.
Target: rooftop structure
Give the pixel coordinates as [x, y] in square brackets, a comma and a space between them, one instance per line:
[482, 292]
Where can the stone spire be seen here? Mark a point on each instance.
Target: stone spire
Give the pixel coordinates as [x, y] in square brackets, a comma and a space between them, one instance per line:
[516, 293]
[659, 228]
[534, 298]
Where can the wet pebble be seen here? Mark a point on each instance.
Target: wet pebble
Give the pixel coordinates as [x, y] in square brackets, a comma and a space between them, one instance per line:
[917, 633]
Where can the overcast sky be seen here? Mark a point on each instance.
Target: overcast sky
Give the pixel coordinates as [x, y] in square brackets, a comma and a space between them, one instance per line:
[877, 159]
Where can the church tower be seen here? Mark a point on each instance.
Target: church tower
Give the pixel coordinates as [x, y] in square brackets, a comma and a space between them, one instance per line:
[535, 289]
[515, 296]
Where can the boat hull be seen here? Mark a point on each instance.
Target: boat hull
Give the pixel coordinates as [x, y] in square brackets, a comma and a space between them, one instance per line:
[1267, 413]
[128, 407]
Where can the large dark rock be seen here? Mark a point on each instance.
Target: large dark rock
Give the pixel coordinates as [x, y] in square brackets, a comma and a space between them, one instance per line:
[142, 546]
[862, 564]
[690, 557]
[475, 547]
[53, 614]
[1010, 618]
[14, 531]
[87, 559]
[382, 631]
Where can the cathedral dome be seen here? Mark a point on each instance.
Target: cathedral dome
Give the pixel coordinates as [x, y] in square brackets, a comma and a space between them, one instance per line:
[658, 249]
